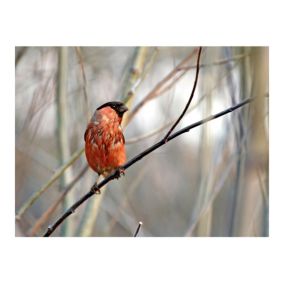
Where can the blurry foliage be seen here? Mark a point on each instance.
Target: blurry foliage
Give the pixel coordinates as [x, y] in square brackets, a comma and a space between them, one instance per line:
[212, 181]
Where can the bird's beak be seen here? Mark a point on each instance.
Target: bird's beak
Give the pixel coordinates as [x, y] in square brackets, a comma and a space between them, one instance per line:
[123, 109]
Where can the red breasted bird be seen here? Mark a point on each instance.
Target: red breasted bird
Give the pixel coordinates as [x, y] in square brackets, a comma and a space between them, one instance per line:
[104, 140]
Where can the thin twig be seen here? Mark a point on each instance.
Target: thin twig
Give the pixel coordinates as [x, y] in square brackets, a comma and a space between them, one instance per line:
[140, 156]
[190, 98]
[138, 229]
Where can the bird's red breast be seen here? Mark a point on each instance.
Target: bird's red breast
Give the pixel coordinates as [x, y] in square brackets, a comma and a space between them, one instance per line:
[104, 140]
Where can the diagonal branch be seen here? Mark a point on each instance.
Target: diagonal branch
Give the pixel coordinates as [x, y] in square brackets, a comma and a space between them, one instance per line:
[190, 98]
[140, 156]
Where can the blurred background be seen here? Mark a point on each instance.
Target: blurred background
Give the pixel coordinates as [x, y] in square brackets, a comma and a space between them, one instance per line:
[211, 181]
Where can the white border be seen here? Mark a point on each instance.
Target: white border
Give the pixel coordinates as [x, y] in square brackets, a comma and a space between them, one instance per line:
[141, 260]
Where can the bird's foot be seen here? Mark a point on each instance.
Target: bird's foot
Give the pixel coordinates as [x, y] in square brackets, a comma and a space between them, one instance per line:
[95, 189]
[119, 172]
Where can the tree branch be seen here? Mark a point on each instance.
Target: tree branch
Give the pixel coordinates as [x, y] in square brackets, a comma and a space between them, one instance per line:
[140, 156]
[190, 98]
[164, 85]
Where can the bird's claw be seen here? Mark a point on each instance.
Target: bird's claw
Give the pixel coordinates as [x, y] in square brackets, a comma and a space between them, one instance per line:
[119, 172]
[95, 189]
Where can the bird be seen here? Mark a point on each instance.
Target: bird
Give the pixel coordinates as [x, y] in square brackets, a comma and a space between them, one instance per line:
[104, 140]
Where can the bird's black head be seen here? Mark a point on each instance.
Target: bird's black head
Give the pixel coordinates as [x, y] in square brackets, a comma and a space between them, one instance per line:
[119, 107]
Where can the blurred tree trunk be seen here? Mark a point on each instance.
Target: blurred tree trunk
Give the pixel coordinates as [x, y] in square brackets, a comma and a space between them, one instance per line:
[62, 133]
[241, 129]
[259, 137]
[203, 227]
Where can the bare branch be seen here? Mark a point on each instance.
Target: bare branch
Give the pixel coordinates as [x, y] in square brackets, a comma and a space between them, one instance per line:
[116, 174]
[190, 98]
